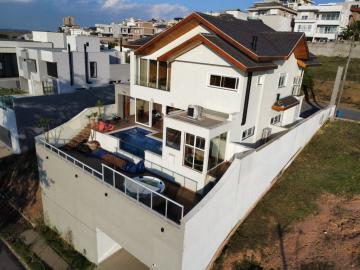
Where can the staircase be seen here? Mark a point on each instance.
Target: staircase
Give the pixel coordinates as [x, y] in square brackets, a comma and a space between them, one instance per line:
[82, 136]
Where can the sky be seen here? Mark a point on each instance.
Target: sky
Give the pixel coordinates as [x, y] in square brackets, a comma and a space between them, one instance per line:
[46, 15]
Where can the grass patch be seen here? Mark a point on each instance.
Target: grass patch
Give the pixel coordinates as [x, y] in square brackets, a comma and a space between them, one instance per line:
[329, 65]
[328, 164]
[11, 91]
[66, 251]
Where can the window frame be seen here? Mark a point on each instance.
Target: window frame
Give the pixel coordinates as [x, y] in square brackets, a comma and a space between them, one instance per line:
[221, 82]
[247, 133]
[285, 76]
[177, 146]
[275, 120]
[55, 75]
[194, 149]
[93, 74]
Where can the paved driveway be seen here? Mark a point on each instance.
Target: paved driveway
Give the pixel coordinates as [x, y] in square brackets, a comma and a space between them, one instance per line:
[7, 260]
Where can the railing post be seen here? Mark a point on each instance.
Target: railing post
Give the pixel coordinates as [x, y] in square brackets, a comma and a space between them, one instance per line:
[102, 171]
[137, 192]
[113, 178]
[166, 207]
[151, 200]
[125, 185]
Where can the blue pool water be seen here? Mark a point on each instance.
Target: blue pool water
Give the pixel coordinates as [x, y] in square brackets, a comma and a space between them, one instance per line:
[135, 141]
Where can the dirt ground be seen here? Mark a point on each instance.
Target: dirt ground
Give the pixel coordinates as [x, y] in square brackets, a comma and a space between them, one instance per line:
[328, 240]
[351, 94]
[19, 182]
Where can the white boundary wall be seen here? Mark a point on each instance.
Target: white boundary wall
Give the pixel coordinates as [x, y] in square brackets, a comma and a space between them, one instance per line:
[243, 185]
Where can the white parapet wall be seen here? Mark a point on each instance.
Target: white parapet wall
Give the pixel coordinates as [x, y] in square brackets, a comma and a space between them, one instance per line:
[236, 194]
[8, 121]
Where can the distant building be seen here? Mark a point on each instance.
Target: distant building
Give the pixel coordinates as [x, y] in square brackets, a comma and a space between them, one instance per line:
[69, 21]
[294, 4]
[355, 12]
[323, 22]
[274, 14]
[237, 13]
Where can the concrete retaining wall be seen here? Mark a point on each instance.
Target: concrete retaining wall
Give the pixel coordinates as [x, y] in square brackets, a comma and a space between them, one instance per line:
[332, 49]
[239, 190]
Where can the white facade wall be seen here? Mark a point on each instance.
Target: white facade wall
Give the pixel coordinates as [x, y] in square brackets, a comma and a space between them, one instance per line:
[56, 39]
[8, 121]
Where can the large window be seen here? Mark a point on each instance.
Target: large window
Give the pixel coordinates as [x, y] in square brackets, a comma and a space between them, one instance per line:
[327, 29]
[304, 28]
[217, 150]
[143, 72]
[93, 69]
[142, 111]
[173, 138]
[52, 69]
[154, 74]
[163, 68]
[282, 80]
[224, 82]
[194, 152]
[330, 16]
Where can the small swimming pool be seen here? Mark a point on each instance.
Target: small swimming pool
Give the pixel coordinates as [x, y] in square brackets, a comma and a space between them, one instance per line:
[136, 141]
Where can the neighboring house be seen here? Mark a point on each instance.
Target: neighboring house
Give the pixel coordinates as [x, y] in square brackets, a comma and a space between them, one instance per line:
[274, 14]
[203, 94]
[323, 22]
[355, 13]
[53, 64]
[77, 62]
[9, 71]
[294, 4]
[237, 13]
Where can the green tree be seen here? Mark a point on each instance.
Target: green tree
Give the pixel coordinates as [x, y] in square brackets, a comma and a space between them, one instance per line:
[352, 31]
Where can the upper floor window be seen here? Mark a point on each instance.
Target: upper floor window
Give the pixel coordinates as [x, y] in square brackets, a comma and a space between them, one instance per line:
[52, 69]
[304, 17]
[93, 69]
[224, 82]
[330, 16]
[154, 74]
[304, 28]
[282, 80]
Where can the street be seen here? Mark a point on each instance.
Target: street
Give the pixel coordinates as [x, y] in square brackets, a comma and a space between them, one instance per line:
[7, 260]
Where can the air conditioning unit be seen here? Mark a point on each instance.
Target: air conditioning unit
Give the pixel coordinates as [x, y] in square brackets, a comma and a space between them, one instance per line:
[194, 111]
[266, 134]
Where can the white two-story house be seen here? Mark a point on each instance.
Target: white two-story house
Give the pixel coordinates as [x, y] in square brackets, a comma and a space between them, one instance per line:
[219, 83]
[209, 120]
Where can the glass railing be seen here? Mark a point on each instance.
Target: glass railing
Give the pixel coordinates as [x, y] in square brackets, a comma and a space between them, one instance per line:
[131, 188]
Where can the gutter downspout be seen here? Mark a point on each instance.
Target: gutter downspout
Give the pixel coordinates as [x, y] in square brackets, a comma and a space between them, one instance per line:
[247, 97]
[86, 63]
[71, 66]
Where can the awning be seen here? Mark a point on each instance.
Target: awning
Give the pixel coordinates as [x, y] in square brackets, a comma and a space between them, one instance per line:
[285, 103]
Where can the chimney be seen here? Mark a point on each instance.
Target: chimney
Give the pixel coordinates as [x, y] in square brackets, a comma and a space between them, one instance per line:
[254, 42]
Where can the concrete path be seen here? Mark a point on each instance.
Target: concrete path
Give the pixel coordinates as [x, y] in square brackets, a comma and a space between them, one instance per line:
[4, 151]
[122, 260]
[7, 260]
[39, 246]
